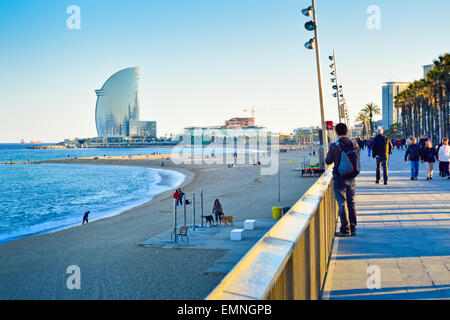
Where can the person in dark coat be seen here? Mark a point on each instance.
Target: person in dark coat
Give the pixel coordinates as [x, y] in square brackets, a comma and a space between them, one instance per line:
[382, 149]
[429, 155]
[85, 217]
[413, 152]
[344, 187]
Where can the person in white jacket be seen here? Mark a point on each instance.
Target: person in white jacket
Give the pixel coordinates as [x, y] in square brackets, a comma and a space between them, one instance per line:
[444, 159]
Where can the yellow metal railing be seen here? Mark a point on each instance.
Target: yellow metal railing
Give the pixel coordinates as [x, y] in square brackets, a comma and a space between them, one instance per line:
[290, 261]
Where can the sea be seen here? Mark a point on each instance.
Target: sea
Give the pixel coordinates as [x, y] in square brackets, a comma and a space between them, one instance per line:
[42, 198]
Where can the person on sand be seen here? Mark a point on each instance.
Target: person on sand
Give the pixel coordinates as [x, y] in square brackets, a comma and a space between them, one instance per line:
[217, 211]
[85, 217]
[176, 196]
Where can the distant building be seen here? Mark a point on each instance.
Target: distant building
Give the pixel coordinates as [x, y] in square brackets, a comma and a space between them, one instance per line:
[306, 136]
[426, 68]
[239, 123]
[144, 129]
[117, 108]
[391, 114]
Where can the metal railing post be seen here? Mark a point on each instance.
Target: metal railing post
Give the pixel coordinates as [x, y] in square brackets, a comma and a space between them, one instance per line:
[193, 211]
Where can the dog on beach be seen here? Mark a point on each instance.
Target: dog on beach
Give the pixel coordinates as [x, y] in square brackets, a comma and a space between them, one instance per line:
[227, 219]
[209, 219]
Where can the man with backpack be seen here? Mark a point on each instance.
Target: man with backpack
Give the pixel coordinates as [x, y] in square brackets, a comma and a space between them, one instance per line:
[382, 149]
[345, 156]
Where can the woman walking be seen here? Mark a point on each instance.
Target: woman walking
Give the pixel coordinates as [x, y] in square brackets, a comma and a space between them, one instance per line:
[413, 152]
[444, 159]
[429, 155]
[217, 211]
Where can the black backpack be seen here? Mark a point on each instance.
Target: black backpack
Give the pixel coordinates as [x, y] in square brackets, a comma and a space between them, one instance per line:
[348, 163]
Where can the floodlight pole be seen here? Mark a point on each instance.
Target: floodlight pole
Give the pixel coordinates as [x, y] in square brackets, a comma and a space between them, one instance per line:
[324, 147]
[337, 87]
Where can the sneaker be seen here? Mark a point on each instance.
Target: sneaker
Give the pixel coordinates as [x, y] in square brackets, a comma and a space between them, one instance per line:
[385, 183]
[428, 178]
[377, 182]
[353, 233]
[342, 234]
[412, 178]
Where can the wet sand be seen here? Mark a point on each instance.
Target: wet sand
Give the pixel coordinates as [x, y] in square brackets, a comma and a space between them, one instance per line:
[112, 264]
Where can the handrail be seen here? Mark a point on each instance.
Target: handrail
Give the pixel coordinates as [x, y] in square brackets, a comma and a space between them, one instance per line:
[290, 260]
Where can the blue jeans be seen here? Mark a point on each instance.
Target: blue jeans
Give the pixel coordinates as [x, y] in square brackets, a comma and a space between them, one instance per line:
[382, 162]
[414, 168]
[344, 191]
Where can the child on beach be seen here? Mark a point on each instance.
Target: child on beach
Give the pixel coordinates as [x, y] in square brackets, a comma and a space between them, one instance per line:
[85, 217]
[444, 159]
[176, 196]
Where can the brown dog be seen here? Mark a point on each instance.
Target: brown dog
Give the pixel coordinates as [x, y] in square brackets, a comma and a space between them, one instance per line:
[227, 219]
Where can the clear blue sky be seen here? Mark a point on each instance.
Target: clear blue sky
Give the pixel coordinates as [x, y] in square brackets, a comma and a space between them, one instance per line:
[203, 61]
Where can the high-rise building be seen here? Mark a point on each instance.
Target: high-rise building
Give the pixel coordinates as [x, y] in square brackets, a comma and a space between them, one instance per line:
[426, 68]
[117, 108]
[117, 103]
[391, 114]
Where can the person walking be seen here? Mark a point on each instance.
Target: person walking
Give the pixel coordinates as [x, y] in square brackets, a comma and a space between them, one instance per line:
[345, 156]
[382, 149]
[217, 211]
[429, 155]
[413, 152]
[86, 217]
[444, 159]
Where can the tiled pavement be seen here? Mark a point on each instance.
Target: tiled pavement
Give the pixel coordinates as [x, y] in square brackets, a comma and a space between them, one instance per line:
[402, 247]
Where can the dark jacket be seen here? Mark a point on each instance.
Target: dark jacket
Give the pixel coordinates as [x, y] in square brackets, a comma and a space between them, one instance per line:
[429, 155]
[334, 154]
[413, 151]
[382, 146]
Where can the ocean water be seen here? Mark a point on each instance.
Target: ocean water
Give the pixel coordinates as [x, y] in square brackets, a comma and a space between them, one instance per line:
[40, 198]
[20, 152]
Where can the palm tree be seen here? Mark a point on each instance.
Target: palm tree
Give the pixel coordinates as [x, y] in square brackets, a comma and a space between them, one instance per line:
[371, 110]
[364, 120]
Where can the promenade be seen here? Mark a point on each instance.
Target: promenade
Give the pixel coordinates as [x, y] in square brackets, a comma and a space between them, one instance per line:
[403, 238]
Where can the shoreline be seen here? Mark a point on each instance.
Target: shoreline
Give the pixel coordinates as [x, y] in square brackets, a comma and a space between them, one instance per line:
[169, 179]
[114, 266]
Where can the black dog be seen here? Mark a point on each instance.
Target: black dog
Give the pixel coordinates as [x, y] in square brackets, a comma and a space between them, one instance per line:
[209, 219]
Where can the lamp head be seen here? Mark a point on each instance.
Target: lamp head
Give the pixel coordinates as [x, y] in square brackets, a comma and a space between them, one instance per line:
[307, 12]
[310, 26]
[311, 44]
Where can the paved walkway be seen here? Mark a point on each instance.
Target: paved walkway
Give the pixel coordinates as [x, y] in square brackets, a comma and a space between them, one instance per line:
[217, 238]
[402, 249]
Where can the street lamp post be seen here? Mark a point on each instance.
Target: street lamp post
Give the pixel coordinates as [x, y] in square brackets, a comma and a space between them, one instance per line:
[335, 74]
[314, 44]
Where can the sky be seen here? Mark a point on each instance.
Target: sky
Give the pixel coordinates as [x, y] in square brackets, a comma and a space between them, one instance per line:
[204, 61]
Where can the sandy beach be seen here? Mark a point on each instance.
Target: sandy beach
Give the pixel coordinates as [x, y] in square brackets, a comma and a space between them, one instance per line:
[112, 264]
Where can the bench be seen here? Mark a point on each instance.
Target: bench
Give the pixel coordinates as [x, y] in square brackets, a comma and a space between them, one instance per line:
[182, 233]
[237, 234]
[249, 224]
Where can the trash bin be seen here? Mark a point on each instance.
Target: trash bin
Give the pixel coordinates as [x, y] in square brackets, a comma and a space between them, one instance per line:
[276, 213]
[285, 210]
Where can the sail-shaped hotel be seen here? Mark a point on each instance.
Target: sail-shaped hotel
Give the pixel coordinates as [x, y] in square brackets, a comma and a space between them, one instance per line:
[117, 108]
